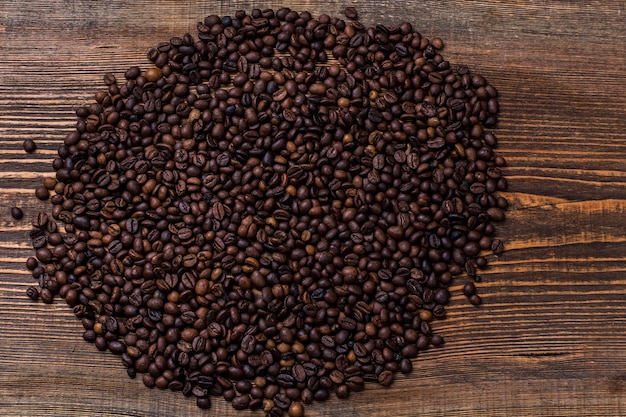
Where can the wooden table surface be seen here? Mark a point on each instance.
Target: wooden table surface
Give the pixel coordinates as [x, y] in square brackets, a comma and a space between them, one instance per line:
[550, 339]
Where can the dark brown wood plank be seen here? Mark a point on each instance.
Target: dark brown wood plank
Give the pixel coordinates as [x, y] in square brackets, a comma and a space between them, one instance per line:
[549, 340]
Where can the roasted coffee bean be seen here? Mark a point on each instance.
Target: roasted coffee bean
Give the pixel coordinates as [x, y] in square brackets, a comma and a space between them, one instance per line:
[42, 193]
[39, 242]
[29, 146]
[385, 378]
[348, 323]
[40, 220]
[32, 293]
[132, 225]
[282, 401]
[351, 13]
[497, 246]
[219, 211]
[475, 299]
[241, 402]
[296, 409]
[469, 289]
[17, 213]
[275, 209]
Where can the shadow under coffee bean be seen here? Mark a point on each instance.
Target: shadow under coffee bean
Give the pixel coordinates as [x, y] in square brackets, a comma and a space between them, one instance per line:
[274, 211]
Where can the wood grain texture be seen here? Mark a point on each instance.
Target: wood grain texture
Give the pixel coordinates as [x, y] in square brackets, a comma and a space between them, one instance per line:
[550, 338]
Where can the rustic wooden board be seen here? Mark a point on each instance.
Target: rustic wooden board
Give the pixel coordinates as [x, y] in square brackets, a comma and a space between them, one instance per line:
[550, 338]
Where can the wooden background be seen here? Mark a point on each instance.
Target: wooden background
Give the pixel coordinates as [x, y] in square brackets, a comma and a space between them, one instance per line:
[550, 339]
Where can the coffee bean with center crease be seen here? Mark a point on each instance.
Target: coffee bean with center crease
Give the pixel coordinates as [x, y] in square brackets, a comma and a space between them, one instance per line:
[40, 220]
[351, 13]
[274, 209]
[385, 378]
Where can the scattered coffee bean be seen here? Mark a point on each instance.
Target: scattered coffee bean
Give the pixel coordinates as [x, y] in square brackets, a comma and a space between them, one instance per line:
[274, 210]
[29, 146]
[469, 289]
[42, 193]
[32, 293]
[475, 299]
[17, 213]
[351, 13]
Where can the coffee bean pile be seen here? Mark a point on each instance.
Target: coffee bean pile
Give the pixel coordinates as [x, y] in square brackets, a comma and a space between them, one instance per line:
[274, 211]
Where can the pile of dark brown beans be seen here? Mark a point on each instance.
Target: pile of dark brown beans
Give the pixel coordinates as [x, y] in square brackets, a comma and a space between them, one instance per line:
[274, 211]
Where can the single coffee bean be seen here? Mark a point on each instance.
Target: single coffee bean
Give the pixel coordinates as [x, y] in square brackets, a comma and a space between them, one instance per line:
[46, 295]
[42, 193]
[109, 79]
[241, 402]
[39, 242]
[296, 409]
[475, 299]
[29, 146]
[203, 402]
[31, 263]
[497, 246]
[351, 13]
[469, 289]
[32, 293]
[385, 378]
[17, 213]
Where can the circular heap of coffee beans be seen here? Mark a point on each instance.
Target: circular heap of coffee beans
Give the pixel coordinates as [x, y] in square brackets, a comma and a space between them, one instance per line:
[275, 210]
